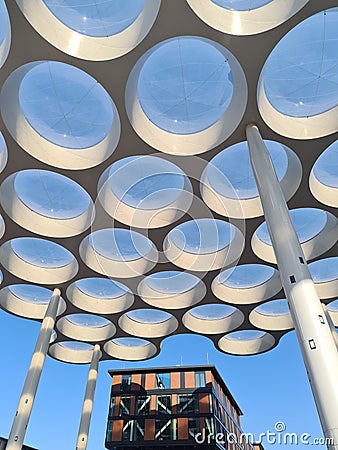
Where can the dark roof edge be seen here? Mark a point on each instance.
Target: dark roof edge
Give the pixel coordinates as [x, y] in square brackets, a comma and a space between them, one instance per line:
[165, 369]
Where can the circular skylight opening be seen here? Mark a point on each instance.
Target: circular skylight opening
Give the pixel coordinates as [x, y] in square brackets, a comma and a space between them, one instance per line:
[51, 194]
[100, 295]
[241, 5]
[333, 306]
[274, 308]
[3, 151]
[41, 253]
[38, 260]
[185, 85]
[65, 105]
[99, 18]
[213, 319]
[324, 176]
[298, 92]
[203, 244]
[86, 327]
[316, 230]
[5, 33]
[146, 182]
[28, 301]
[118, 252]
[171, 289]
[72, 352]
[324, 273]
[212, 311]
[247, 283]
[145, 191]
[88, 320]
[148, 323]
[130, 349]
[246, 342]
[273, 315]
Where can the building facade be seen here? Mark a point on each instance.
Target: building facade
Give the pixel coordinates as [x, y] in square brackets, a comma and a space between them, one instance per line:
[182, 407]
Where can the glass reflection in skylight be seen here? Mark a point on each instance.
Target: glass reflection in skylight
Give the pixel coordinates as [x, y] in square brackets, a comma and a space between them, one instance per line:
[149, 316]
[88, 320]
[212, 311]
[3, 21]
[185, 85]
[103, 288]
[274, 308]
[325, 168]
[172, 282]
[31, 293]
[333, 306]
[300, 76]
[245, 335]
[324, 270]
[130, 342]
[65, 105]
[246, 276]
[97, 18]
[51, 194]
[202, 236]
[41, 253]
[120, 244]
[76, 346]
[241, 5]
[146, 182]
[308, 222]
[230, 171]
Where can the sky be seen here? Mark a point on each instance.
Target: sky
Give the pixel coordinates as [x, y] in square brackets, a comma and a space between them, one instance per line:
[269, 388]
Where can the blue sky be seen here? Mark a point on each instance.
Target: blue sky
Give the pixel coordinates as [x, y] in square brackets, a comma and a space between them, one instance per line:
[269, 388]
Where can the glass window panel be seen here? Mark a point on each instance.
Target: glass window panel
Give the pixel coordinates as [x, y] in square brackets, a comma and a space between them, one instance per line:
[124, 406]
[200, 379]
[126, 382]
[143, 405]
[164, 405]
[128, 430]
[163, 380]
[163, 430]
[187, 404]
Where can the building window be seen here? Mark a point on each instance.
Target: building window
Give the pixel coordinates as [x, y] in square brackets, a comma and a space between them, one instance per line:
[109, 431]
[193, 427]
[182, 380]
[124, 406]
[139, 430]
[163, 380]
[143, 405]
[200, 379]
[112, 406]
[165, 430]
[164, 404]
[128, 430]
[126, 383]
[187, 404]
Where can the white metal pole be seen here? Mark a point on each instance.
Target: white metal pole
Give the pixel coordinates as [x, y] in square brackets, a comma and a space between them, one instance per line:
[88, 402]
[23, 412]
[313, 331]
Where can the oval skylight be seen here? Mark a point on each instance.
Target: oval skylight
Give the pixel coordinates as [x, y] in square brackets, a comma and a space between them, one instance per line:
[99, 18]
[230, 174]
[241, 5]
[41, 253]
[3, 151]
[202, 236]
[5, 33]
[65, 105]
[325, 168]
[246, 276]
[88, 320]
[120, 244]
[300, 74]
[51, 194]
[149, 316]
[274, 308]
[31, 293]
[273, 315]
[324, 270]
[185, 85]
[130, 342]
[172, 282]
[102, 288]
[146, 182]
[212, 311]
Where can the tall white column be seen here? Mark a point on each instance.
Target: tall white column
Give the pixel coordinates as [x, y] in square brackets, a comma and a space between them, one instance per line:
[88, 402]
[23, 412]
[313, 331]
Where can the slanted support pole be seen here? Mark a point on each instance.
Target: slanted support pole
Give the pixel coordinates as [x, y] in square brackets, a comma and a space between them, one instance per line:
[312, 328]
[88, 402]
[23, 412]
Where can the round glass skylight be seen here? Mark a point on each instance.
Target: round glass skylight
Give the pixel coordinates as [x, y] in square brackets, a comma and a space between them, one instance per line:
[300, 77]
[31, 293]
[41, 253]
[65, 105]
[150, 316]
[246, 276]
[146, 182]
[172, 282]
[76, 346]
[308, 223]
[51, 194]
[185, 85]
[120, 244]
[241, 5]
[273, 315]
[130, 349]
[333, 306]
[130, 342]
[102, 288]
[212, 311]
[245, 335]
[324, 270]
[325, 168]
[202, 236]
[274, 308]
[3, 152]
[99, 18]
[230, 174]
[3, 21]
[88, 320]
[246, 342]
